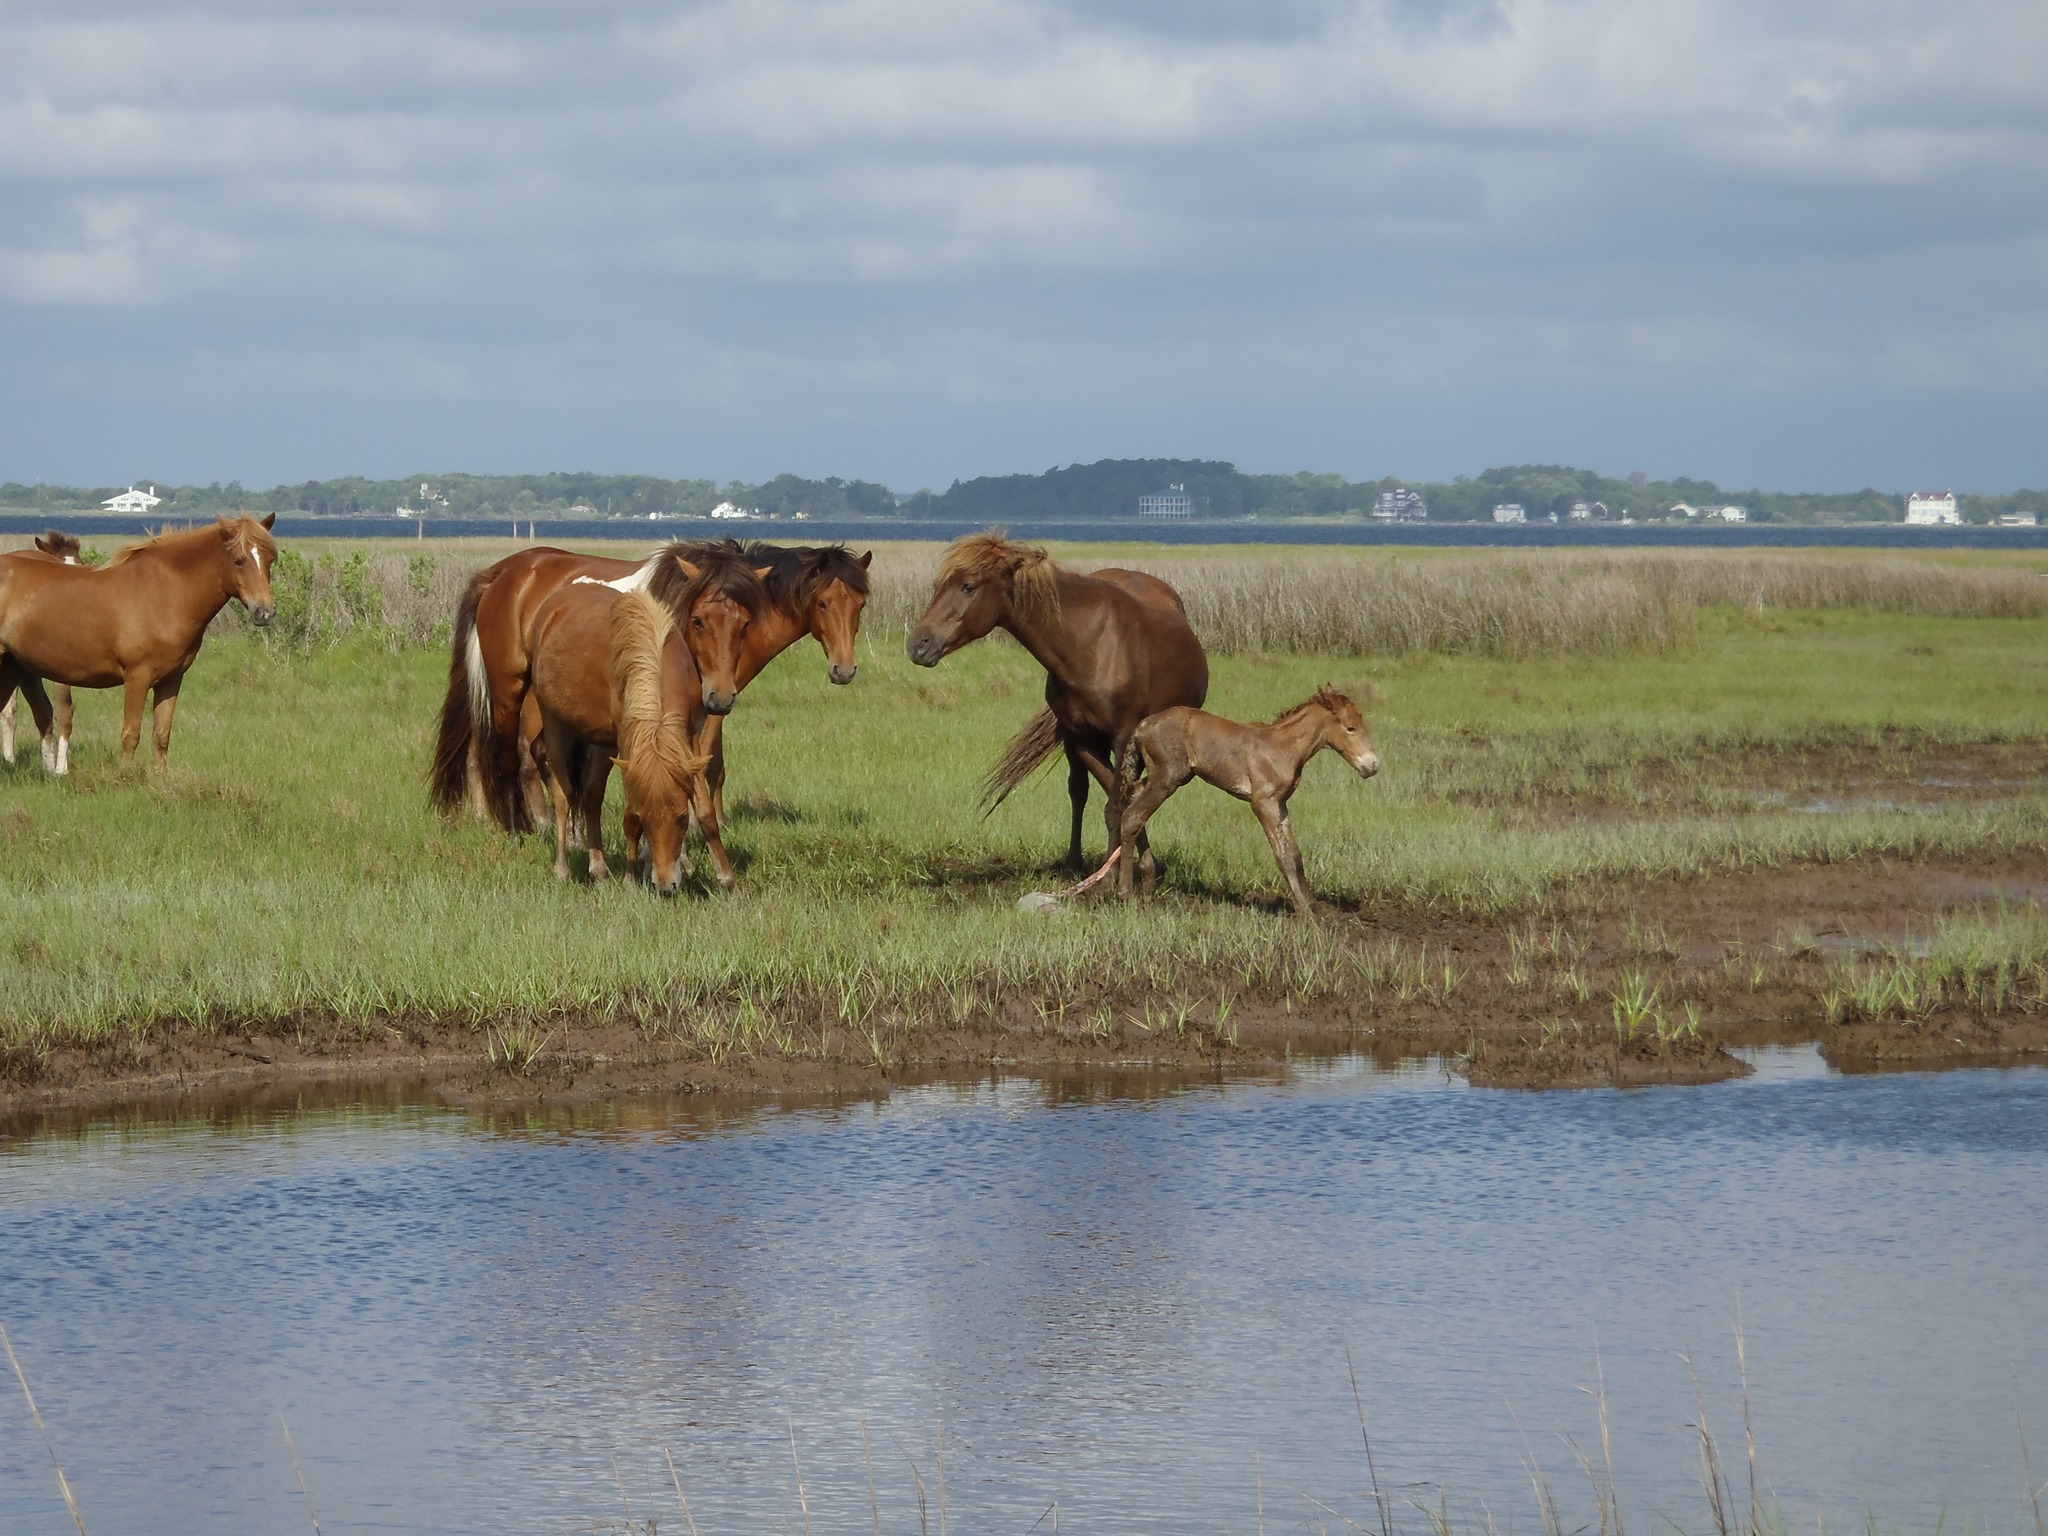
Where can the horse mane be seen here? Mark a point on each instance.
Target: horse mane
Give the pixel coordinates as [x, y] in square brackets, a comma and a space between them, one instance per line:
[1327, 696]
[722, 567]
[186, 538]
[655, 754]
[987, 556]
[796, 572]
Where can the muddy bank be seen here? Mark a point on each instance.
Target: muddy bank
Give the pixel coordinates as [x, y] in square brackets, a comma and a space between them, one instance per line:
[1629, 985]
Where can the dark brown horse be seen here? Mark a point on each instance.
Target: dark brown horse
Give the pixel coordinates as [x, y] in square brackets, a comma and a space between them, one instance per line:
[135, 625]
[1116, 646]
[612, 681]
[819, 592]
[66, 550]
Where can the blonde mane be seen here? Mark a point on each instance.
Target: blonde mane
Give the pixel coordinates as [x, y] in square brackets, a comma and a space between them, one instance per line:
[1032, 573]
[655, 755]
[1327, 696]
[186, 538]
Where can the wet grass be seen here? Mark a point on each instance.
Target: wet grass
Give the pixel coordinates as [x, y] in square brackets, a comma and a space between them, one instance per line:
[286, 867]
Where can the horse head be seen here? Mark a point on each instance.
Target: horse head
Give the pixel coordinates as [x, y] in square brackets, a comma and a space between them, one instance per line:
[1347, 732]
[715, 594]
[250, 554]
[984, 580]
[60, 546]
[835, 588]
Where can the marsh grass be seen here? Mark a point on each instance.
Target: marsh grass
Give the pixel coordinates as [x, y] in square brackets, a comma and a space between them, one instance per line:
[1992, 958]
[285, 867]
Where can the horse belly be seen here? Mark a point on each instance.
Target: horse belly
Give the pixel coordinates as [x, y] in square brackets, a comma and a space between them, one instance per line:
[56, 637]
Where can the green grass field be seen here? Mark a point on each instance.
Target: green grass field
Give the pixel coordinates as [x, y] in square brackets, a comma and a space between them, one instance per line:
[286, 864]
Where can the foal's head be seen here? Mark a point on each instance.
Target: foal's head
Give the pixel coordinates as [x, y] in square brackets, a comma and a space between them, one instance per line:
[983, 580]
[1346, 732]
[250, 554]
[715, 593]
[60, 546]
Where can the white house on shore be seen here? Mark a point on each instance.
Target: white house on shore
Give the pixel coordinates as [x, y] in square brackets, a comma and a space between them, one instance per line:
[726, 512]
[132, 500]
[2019, 519]
[1400, 506]
[1931, 508]
[1510, 512]
[1174, 501]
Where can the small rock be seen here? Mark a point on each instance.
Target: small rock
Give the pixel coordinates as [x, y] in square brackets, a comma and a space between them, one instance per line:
[1039, 901]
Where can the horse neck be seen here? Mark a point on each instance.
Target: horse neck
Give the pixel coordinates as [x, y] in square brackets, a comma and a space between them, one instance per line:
[774, 631]
[1302, 736]
[198, 569]
[1048, 642]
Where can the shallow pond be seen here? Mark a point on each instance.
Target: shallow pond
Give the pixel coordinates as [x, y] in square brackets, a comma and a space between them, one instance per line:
[1135, 1300]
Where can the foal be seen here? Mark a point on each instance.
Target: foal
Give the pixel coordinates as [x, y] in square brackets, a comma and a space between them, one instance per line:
[65, 550]
[1259, 763]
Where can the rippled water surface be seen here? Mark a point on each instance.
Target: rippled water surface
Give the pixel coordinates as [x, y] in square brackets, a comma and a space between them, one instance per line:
[1134, 1302]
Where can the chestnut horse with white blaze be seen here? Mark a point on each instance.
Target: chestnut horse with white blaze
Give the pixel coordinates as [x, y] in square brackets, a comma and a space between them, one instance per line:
[820, 592]
[66, 550]
[612, 681]
[1116, 646]
[1260, 764]
[135, 624]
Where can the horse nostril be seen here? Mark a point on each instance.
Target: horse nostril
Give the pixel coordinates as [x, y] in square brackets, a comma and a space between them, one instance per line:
[264, 614]
[844, 675]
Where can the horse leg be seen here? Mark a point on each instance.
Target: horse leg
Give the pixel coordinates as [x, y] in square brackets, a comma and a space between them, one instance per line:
[1077, 791]
[134, 694]
[1272, 816]
[533, 772]
[65, 715]
[13, 676]
[166, 706]
[631, 824]
[1161, 780]
[7, 724]
[597, 773]
[708, 822]
[558, 792]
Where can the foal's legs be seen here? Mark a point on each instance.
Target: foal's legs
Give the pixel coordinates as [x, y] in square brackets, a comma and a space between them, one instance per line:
[1162, 778]
[1286, 851]
[166, 706]
[13, 676]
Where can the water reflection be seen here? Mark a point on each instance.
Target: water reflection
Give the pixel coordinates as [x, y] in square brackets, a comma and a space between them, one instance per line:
[1116, 1293]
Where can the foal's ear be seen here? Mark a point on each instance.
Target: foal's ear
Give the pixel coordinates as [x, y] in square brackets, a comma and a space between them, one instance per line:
[862, 562]
[270, 520]
[763, 571]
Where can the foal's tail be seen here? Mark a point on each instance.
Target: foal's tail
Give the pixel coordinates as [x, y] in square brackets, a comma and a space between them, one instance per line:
[465, 711]
[1031, 746]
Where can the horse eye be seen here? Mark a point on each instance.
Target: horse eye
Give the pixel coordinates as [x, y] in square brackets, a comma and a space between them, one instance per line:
[966, 587]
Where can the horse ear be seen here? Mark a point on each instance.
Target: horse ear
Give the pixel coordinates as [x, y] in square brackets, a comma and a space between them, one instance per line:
[763, 571]
[43, 545]
[690, 572]
[270, 520]
[862, 562]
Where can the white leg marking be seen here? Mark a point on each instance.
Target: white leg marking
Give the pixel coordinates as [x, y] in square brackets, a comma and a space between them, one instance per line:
[50, 756]
[63, 755]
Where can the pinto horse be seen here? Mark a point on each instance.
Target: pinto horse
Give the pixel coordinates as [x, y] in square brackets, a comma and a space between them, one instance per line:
[1260, 764]
[1116, 646]
[136, 624]
[66, 550]
[819, 592]
[612, 681]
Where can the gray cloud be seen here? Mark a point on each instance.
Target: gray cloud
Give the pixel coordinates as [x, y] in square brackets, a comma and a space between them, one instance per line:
[913, 239]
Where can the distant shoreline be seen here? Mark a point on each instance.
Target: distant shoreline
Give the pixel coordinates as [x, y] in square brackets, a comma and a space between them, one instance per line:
[1119, 531]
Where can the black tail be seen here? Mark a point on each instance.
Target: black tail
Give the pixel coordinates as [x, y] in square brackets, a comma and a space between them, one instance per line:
[448, 780]
[1031, 746]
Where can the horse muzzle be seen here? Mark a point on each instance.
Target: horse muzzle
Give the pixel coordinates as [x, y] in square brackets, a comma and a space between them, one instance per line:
[844, 675]
[719, 703]
[926, 650]
[263, 613]
[1368, 765]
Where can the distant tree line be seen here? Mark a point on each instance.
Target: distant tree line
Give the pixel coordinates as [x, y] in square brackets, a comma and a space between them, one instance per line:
[1080, 493]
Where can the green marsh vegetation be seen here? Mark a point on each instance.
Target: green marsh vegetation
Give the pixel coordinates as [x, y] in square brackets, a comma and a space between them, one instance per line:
[1548, 725]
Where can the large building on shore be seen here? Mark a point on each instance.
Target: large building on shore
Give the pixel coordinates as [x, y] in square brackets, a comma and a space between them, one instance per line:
[132, 500]
[1929, 508]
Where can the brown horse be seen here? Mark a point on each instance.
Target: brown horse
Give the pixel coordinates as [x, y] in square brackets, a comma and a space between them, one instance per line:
[1261, 764]
[66, 550]
[484, 718]
[819, 592]
[136, 625]
[612, 681]
[1116, 646]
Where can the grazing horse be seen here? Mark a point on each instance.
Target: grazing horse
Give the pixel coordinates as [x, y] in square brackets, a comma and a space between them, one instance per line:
[65, 550]
[819, 592]
[1261, 764]
[612, 681]
[1116, 646]
[136, 624]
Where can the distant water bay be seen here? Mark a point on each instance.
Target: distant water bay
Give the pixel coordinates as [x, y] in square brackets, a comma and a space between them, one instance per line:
[1438, 535]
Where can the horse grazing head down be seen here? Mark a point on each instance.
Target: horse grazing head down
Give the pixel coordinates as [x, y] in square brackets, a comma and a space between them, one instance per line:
[248, 555]
[714, 592]
[983, 581]
[1346, 732]
[656, 758]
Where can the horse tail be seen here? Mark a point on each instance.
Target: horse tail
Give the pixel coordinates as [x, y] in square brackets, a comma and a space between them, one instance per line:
[657, 754]
[467, 706]
[1128, 768]
[1031, 746]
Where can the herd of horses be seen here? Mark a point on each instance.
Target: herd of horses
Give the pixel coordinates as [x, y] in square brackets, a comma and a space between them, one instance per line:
[565, 665]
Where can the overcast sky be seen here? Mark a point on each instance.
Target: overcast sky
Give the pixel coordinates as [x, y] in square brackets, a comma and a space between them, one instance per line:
[1795, 243]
